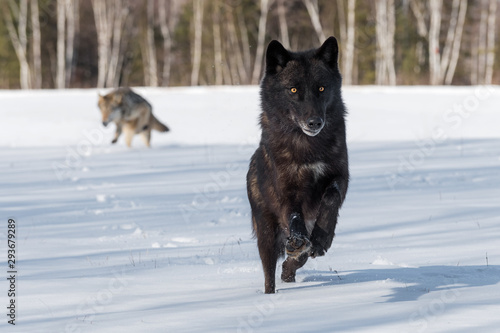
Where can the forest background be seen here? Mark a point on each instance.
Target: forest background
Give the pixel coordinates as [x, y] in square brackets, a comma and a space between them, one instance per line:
[108, 43]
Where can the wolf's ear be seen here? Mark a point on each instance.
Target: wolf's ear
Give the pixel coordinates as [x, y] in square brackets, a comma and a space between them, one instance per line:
[276, 57]
[329, 52]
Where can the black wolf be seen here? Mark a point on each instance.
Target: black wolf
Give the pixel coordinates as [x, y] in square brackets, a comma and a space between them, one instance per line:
[298, 176]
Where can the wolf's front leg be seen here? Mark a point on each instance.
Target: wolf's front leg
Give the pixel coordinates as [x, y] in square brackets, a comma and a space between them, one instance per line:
[117, 133]
[297, 248]
[324, 229]
[298, 241]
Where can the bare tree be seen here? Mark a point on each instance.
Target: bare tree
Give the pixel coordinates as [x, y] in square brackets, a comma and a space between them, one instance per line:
[347, 34]
[217, 44]
[67, 19]
[245, 43]
[36, 47]
[490, 49]
[61, 38]
[385, 29]
[150, 66]
[19, 37]
[72, 21]
[285, 40]
[167, 40]
[457, 40]
[112, 19]
[198, 30]
[442, 65]
[236, 60]
[483, 46]
[259, 54]
[313, 10]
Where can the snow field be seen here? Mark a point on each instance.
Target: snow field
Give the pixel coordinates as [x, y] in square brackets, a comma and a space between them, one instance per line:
[113, 239]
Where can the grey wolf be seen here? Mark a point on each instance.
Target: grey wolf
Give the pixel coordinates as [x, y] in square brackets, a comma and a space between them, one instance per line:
[298, 176]
[131, 113]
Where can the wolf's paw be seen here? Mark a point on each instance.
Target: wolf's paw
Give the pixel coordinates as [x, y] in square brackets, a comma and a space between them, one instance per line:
[297, 245]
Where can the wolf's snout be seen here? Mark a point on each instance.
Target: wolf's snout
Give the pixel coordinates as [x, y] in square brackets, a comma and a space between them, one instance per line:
[314, 123]
[105, 123]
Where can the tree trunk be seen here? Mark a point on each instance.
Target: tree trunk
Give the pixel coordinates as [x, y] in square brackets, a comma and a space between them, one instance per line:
[198, 30]
[118, 13]
[19, 37]
[103, 34]
[236, 56]
[457, 41]
[348, 60]
[61, 42]
[483, 27]
[72, 14]
[418, 11]
[217, 45]
[490, 48]
[385, 29]
[313, 10]
[113, 22]
[245, 43]
[283, 24]
[473, 67]
[434, 51]
[151, 48]
[36, 49]
[259, 54]
[167, 41]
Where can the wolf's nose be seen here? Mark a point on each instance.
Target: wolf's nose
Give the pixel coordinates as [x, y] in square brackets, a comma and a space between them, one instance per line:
[314, 123]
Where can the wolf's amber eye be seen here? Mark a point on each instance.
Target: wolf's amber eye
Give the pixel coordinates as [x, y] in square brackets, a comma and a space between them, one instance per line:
[293, 90]
[321, 89]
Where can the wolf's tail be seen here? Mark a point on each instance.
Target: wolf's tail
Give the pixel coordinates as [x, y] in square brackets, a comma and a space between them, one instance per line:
[158, 126]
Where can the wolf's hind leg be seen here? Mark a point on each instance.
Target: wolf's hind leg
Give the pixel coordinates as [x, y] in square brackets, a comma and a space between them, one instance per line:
[269, 242]
[146, 137]
[129, 135]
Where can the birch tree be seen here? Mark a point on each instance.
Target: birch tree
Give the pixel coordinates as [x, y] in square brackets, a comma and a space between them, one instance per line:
[198, 31]
[239, 70]
[112, 21]
[259, 53]
[61, 41]
[285, 40]
[216, 31]
[313, 11]
[490, 45]
[36, 45]
[167, 40]
[67, 14]
[347, 34]
[385, 29]
[18, 37]
[245, 43]
[150, 63]
[442, 64]
[483, 55]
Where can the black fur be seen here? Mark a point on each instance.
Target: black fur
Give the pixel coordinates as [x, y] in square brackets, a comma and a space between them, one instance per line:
[298, 176]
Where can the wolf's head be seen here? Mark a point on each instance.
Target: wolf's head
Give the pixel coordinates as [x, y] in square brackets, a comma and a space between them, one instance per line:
[110, 106]
[300, 89]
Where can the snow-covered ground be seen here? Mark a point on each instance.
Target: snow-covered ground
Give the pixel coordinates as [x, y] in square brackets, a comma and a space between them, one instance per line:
[111, 239]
